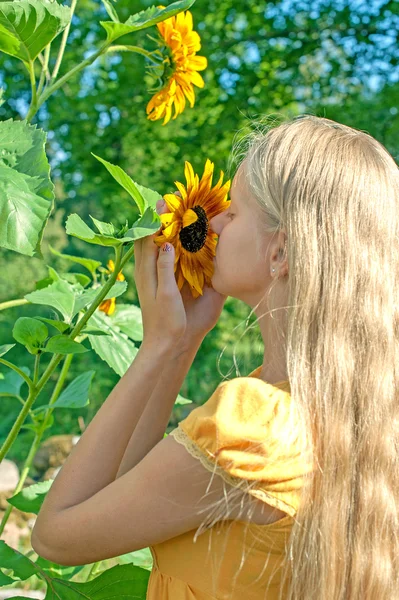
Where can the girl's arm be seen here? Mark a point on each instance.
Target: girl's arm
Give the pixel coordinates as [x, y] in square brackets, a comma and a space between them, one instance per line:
[156, 415]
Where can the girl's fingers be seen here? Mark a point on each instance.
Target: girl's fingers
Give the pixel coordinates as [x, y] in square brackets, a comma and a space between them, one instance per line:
[137, 256]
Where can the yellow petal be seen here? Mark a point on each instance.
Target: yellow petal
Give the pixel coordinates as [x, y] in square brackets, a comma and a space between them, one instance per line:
[173, 202]
[167, 218]
[181, 189]
[196, 79]
[198, 63]
[189, 174]
[172, 230]
[189, 217]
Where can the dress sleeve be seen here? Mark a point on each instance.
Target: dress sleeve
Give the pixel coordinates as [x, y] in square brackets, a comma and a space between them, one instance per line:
[248, 433]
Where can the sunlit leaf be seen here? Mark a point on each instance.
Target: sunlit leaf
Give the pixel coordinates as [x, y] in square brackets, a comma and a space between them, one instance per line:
[27, 26]
[143, 19]
[26, 191]
[60, 344]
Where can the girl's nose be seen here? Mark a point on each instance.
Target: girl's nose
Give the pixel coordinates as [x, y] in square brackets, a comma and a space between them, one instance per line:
[217, 223]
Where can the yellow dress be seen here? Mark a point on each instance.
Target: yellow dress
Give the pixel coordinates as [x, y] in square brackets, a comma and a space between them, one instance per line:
[248, 429]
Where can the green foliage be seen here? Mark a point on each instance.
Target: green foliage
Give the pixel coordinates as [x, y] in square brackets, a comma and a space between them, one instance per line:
[26, 191]
[75, 395]
[143, 19]
[31, 333]
[27, 26]
[143, 197]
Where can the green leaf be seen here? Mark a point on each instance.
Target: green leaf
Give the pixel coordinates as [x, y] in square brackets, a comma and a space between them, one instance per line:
[88, 263]
[12, 382]
[30, 333]
[88, 296]
[22, 567]
[181, 400]
[129, 319]
[125, 181]
[104, 228]
[147, 224]
[121, 581]
[143, 19]
[27, 26]
[59, 295]
[110, 10]
[77, 278]
[93, 331]
[60, 344]
[77, 227]
[30, 499]
[75, 395]
[5, 348]
[115, 349]
[60, 325]
[26, 191]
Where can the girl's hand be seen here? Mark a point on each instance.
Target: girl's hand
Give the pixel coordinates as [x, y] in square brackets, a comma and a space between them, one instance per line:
[202, 313]
[164, 316]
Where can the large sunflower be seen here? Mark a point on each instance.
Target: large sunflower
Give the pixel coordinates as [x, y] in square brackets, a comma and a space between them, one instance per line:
[186, 226]
[108, 306]
[181, 66]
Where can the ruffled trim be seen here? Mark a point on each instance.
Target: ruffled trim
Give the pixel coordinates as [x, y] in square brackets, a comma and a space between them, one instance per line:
[182, 438]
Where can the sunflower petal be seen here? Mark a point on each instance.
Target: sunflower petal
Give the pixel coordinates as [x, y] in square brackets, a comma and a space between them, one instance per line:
[189, 174]
[173, 202]
[189, 218]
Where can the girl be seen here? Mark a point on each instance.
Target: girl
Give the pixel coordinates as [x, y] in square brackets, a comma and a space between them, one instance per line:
[311, 242]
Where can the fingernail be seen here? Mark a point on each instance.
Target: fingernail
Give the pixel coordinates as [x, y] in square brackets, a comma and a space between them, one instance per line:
[167, 247]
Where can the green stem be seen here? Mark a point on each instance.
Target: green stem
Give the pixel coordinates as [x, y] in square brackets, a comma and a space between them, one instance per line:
[44, 68]
[11, 303]
[33, 108]
[63, 44]
[57, 84]
[36, 368]
[38, 437]
[137, 49]
[34, 390]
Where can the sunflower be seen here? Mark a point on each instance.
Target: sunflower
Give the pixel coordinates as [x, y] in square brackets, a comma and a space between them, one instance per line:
[186, 226]
[108, 306]
[180, 67]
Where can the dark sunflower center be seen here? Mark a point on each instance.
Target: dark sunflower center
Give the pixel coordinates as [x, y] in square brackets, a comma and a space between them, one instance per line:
[193, 237]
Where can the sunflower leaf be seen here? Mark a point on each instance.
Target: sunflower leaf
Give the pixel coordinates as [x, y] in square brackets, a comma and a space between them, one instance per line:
[90, 264]
[27, 26]
[5, 348]
[125, 181]
[143, 19]
[77, 227]
[115, 348]
[26, 190]
[102, 227]
[146, 225]
[110, 10]
[61, 344]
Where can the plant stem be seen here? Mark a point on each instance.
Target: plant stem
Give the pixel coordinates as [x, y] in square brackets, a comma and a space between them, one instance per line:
[11, 303]
[36, 368]
[35, 389]
[38, 437]
[44, 68]
[137, 49]
[57, 84]
[33, 108]
[63, 44]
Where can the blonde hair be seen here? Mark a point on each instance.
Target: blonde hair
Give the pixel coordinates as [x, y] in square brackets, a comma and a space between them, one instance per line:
[335, 192]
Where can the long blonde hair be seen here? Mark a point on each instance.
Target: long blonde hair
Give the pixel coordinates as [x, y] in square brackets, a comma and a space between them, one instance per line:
[335, 191]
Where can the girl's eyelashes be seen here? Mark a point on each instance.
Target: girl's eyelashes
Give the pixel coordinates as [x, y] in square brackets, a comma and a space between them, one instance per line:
[230, 214]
